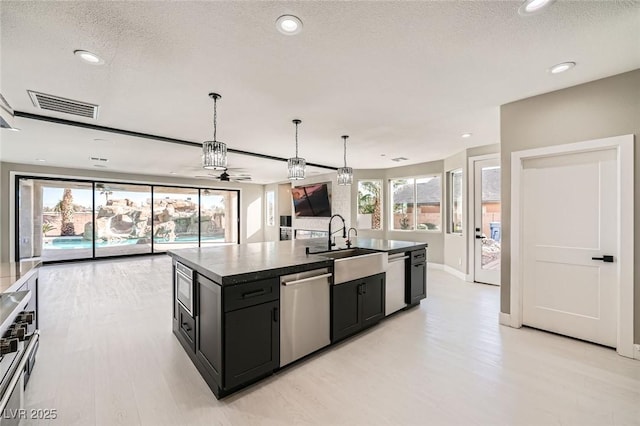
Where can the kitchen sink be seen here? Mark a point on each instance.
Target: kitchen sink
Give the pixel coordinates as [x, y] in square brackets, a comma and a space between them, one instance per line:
[341, 254]
[353, 264]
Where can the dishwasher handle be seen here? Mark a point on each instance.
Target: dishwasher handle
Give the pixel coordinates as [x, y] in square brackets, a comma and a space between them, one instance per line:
[397, 259]
[304, 280]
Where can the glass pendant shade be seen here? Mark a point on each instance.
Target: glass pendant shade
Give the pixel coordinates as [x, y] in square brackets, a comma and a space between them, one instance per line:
[345, 176]
[297, 167]
[214, 155]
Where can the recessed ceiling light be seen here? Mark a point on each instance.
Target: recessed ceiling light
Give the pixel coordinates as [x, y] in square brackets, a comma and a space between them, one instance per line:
[99, 140]
[383, 155]
[289, 24]
[11, 129]
[89, 57]
[41, 160]
[173, 173]
[531, 7]
[466, 135]
[100, 166]
[565, 66]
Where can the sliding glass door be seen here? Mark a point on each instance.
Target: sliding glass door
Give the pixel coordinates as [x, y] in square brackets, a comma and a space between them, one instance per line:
[122, 222]
[58, 219]
[54, 219]
[218, 217]
[176, 215]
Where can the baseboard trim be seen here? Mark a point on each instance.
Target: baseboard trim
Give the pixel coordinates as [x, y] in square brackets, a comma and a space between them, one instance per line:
[438, 266]
[636, 352]
[505, 319]
[455, 272]
[469, 278]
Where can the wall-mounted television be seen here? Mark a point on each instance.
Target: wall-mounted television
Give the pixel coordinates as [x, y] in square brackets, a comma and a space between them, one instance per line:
[311, 200]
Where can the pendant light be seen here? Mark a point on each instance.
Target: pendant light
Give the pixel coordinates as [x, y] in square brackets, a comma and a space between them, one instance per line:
[296, 165]
[214, 153]
[345, 174]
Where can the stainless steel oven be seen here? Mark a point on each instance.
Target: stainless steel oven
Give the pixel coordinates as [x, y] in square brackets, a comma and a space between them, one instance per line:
[184, 287]
[18, 347]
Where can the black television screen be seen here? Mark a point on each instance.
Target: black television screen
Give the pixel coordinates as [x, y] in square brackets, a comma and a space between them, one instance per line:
[311, 200]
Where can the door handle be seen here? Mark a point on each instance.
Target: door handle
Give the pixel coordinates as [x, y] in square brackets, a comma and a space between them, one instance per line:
[275, 315]
[480, 237]
[606, 258]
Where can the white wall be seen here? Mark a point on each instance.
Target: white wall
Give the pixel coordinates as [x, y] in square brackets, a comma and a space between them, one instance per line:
[251, 197]
[340, 198]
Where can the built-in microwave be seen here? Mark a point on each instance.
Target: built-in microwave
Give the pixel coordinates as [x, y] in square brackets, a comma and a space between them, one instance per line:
[184, 287]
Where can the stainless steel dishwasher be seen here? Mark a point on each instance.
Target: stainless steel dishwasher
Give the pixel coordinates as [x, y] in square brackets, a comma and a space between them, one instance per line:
[304, 314]
[395, 285]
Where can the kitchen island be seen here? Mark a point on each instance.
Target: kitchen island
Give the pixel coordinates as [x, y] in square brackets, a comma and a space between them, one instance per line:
[242, 312]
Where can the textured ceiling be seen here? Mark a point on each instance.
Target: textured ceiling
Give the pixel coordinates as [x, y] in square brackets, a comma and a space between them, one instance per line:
[401, 78]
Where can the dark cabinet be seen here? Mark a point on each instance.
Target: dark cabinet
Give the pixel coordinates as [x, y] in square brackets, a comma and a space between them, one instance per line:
[372, 297]
[356, 305]
[416, 277]
[209, 327]
[345, 309]
[252, 339]
[235, 337]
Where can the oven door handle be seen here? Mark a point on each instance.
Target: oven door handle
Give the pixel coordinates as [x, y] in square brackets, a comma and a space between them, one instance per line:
[19, 370]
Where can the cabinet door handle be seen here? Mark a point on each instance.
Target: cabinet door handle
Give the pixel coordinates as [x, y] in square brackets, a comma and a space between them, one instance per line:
[606, 258]
[275, 315]
[254, 293]
[185, 327]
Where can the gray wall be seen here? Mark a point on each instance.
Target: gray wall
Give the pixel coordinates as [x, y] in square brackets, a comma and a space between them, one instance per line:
[599, 109]
[251, 196]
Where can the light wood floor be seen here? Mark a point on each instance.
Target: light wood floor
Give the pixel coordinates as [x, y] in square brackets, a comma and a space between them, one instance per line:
[108, 357]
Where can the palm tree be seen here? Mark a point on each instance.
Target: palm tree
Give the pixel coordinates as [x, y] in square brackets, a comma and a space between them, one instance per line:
[65, 207]
[369, 201]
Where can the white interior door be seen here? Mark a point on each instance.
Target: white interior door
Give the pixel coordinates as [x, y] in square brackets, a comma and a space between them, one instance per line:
[570, 216]
[487, 223]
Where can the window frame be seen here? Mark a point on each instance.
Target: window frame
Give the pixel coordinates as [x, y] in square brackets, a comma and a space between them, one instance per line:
[450, 201]
[266, 208]
[382, 214]
[415, 203]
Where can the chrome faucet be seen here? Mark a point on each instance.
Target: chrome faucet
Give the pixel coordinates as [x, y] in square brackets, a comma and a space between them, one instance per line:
[344, 229]
[349, 236]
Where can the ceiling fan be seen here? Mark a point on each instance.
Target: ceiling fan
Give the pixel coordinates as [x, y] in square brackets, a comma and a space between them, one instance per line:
[226, 177]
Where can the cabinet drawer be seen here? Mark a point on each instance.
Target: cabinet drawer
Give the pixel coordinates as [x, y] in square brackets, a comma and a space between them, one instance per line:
[187, 327]
[418, 256]
[249, 294]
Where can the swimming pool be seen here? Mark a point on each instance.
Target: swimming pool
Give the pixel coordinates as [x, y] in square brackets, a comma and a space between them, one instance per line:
[70, 243]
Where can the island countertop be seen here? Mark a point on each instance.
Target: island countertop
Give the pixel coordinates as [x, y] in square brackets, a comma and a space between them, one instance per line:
[238, 263]
[13, 274]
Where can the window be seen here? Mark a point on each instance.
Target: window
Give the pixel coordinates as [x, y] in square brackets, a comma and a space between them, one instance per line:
[65, 219]
[271, 208]
[455, 202]
[416, 203]
[369, 204]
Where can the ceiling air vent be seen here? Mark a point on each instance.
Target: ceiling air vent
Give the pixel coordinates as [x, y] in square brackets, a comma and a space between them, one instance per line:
[67, 106]
[398, 159]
